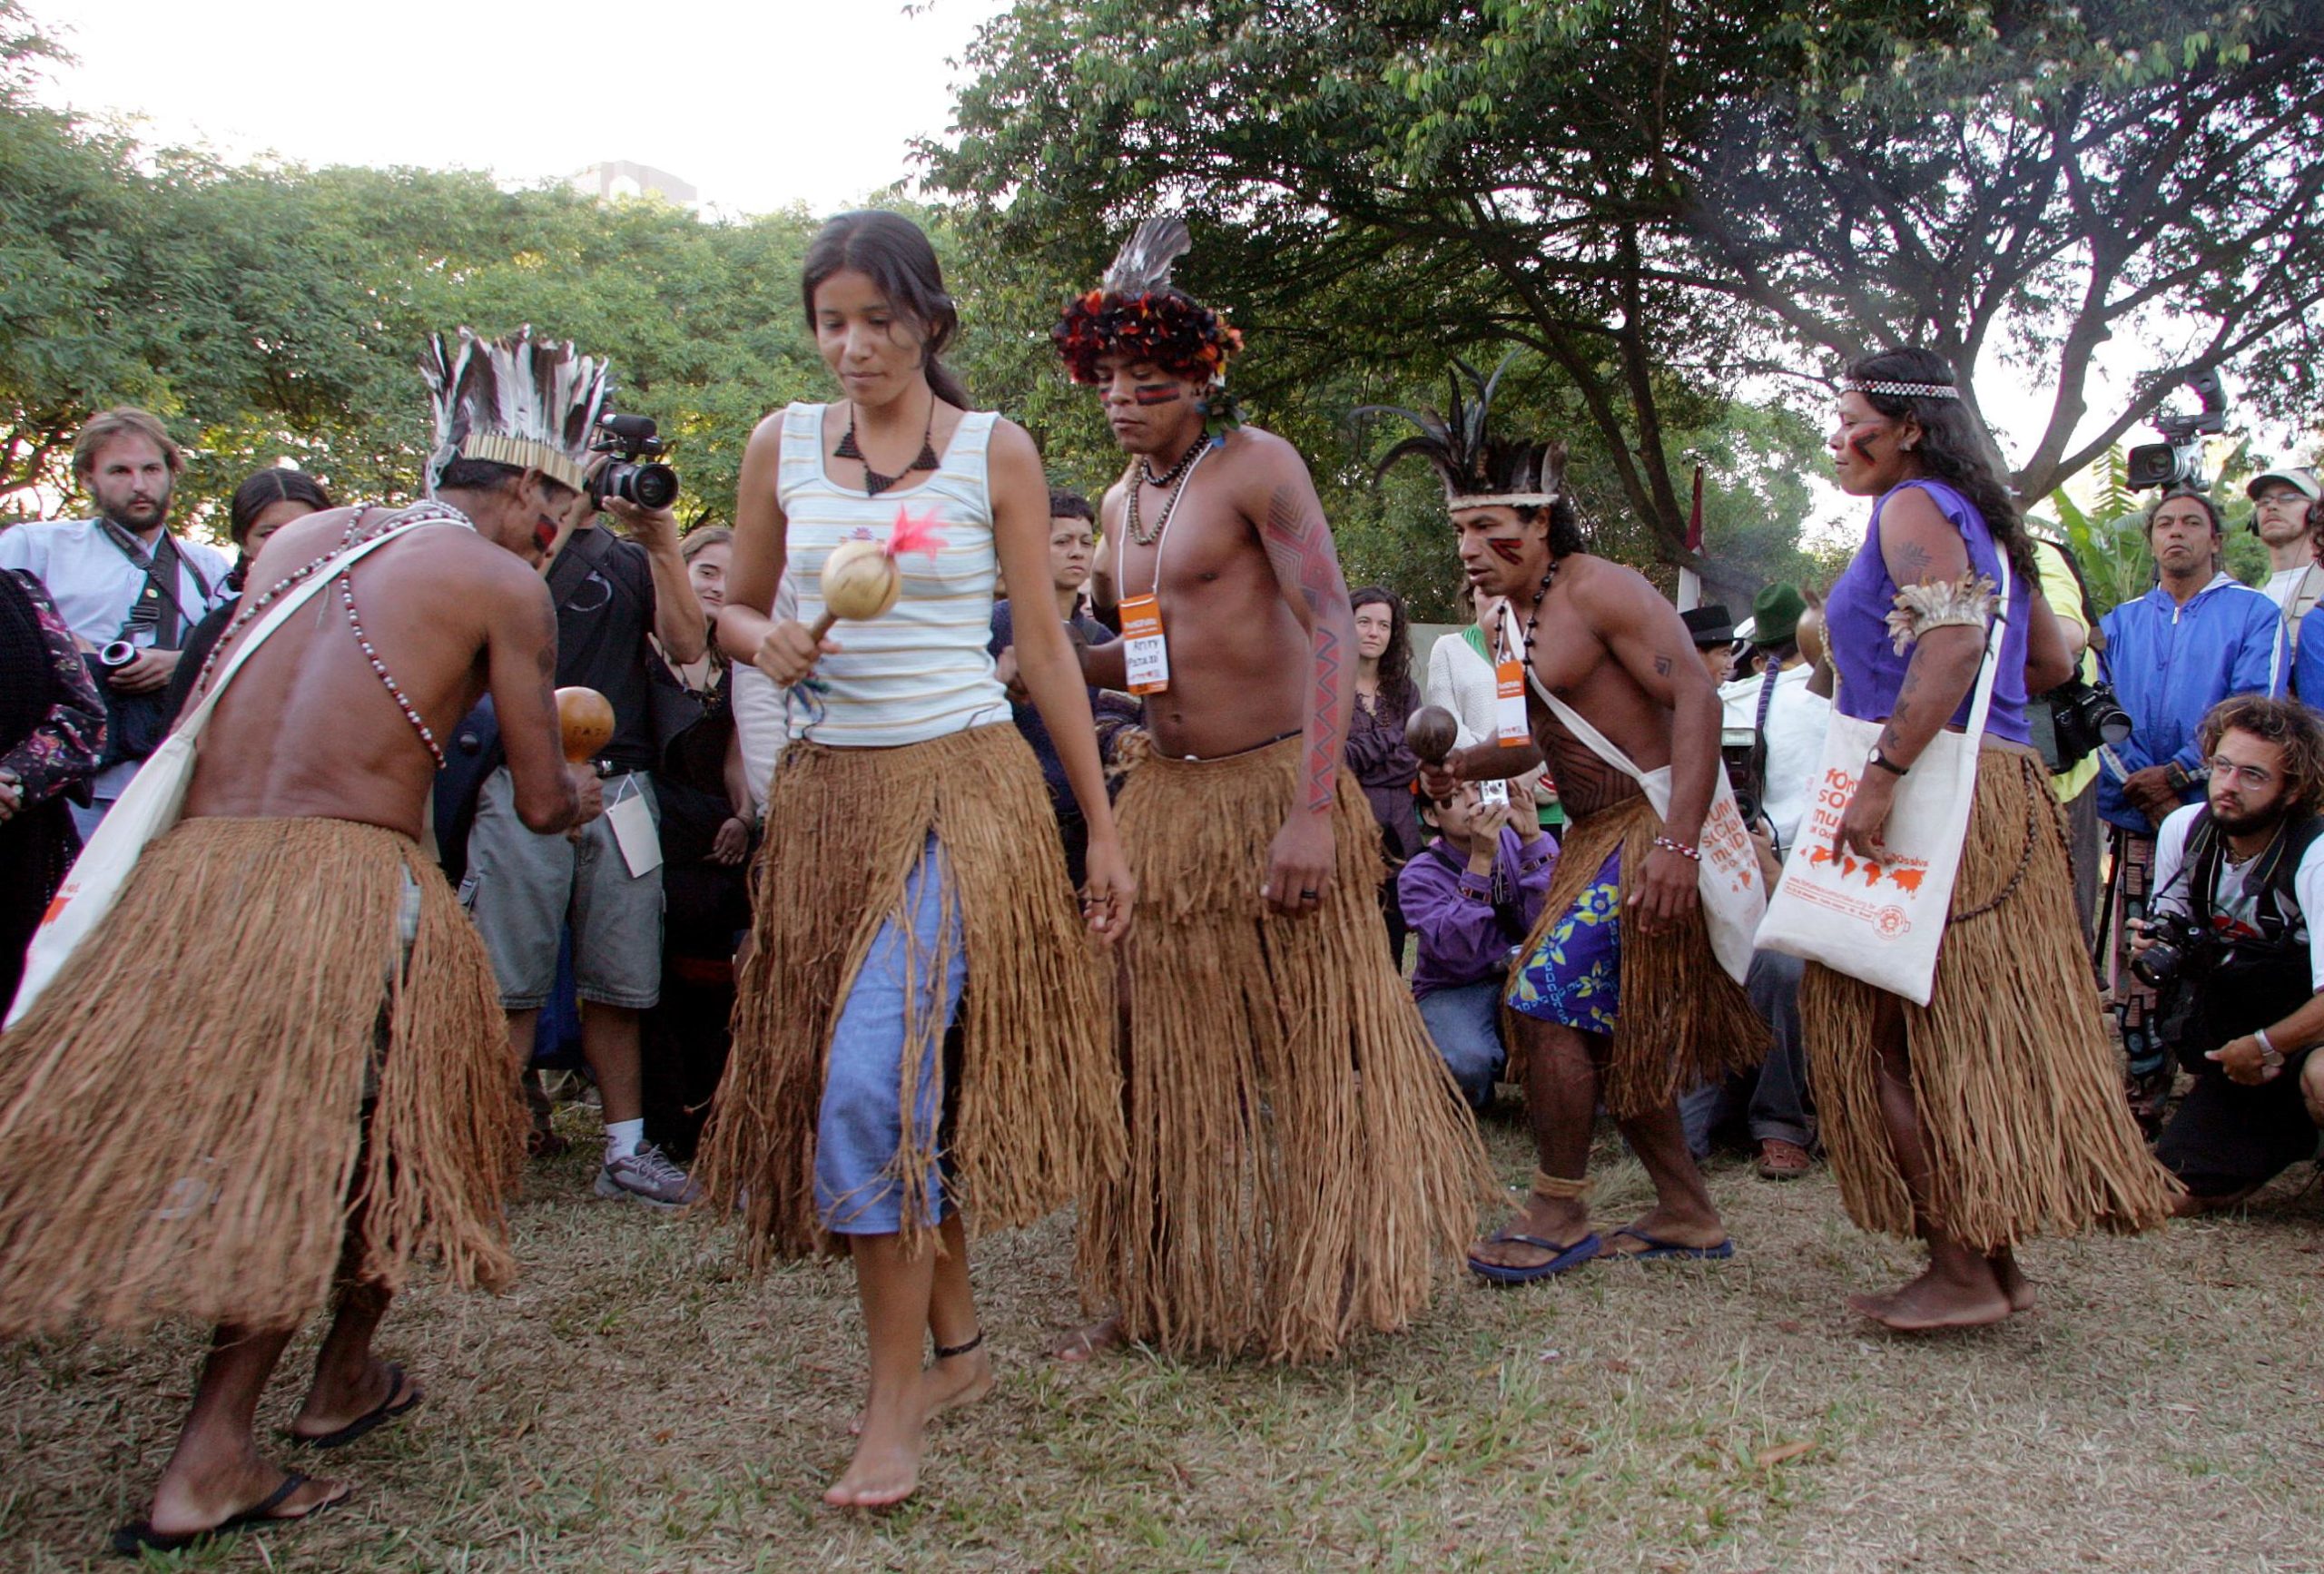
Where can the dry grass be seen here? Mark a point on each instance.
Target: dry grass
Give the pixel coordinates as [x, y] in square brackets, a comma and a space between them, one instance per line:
[636, 1406]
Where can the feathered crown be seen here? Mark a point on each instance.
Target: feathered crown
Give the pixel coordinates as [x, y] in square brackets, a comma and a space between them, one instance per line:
[1479, 470]
[1136, 312]
[513, 401]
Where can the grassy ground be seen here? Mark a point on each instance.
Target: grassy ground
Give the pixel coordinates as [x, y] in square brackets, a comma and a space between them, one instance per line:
[633, 1405]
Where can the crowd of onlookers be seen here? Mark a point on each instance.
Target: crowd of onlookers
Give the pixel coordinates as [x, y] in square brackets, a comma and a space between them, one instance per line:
[615, 948]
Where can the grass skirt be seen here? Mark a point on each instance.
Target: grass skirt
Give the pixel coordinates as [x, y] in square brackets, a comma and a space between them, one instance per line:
[1299, 1155]
[1036, 1111]
[183, 1123]
[2019, 1101]
[1682, 1021]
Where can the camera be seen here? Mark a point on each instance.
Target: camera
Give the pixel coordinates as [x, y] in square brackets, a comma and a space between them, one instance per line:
[2178, 460]
[631, 439]
[1493, 794]
[1745, 757]
[2084, 718]
[2174, 941]
[116, 655]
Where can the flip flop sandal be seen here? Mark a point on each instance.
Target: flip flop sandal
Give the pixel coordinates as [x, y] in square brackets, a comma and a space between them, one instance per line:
[378, 1415]
[1561, 1258]
[1660, 1249]
[139, 1537]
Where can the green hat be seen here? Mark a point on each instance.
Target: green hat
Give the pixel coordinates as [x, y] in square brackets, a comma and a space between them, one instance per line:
[1775, 614]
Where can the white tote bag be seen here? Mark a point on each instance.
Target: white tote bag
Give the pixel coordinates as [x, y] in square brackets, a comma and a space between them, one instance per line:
[1728, 869]
[150, 806]
[1881, 921]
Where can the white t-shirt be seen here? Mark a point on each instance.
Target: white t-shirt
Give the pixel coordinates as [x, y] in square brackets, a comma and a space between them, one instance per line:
[2233, 910]
[1797, 721]
[2282, 586]
[94, 585]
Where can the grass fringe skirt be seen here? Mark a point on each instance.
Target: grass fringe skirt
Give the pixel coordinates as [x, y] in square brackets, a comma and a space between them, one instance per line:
[182, 1116]
[1299, 1155]
[1683, 1022]
[2020, 1099]
[1036, 1111]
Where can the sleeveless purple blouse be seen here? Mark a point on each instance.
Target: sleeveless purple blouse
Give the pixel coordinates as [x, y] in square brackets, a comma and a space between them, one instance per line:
[1856, 620]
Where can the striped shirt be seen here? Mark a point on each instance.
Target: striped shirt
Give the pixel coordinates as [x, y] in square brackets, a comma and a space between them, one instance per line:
[921, 671]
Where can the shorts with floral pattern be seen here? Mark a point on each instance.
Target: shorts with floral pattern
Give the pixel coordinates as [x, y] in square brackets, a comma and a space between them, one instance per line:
[1575, 975]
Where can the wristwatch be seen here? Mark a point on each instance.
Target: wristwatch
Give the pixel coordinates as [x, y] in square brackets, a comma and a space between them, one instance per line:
[1885, 762]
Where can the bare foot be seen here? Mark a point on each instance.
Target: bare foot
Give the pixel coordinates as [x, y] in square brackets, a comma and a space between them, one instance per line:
[2013, 1279]
[946, 1384]
[1093, 1339]
[197, 1496]
[886, 1466]
[1558, 1219]
[1930, 1302]
[383, 1388]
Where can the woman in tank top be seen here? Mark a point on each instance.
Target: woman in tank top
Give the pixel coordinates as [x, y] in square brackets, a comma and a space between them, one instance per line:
[927, 1026]
[1992, 1112]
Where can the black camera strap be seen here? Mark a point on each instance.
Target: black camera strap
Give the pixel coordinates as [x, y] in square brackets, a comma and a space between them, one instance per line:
[161, 589]
[2272, 876]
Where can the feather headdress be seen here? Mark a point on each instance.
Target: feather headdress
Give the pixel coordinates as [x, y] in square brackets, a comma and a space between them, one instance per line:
[1479, 470]
[514, 402]
[1136, 312]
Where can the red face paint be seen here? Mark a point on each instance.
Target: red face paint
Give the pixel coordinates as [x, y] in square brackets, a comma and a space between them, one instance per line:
[545, 533]
[1158, 393]
[1508, 551]
[1862, 445]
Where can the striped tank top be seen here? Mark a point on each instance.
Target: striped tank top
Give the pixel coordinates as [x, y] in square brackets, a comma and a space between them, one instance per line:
[921, 671]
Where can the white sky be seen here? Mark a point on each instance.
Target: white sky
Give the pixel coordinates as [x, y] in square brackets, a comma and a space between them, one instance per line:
[758, 105]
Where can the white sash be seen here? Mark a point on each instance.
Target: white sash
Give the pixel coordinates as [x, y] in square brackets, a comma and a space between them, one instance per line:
[1728, 877]
[152, 804]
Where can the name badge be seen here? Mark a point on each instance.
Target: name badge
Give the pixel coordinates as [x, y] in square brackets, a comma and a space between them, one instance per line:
[1144, 653]
[633, 827]
[1509, 706]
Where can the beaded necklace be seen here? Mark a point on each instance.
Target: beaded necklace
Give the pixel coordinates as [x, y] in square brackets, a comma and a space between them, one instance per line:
[1176, 475]
[428, 513]
[1533, 622]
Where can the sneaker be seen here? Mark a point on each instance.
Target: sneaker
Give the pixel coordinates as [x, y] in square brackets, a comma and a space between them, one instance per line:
[648, 1176]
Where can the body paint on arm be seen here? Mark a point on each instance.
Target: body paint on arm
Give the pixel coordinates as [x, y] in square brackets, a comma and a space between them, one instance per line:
[1299, 547]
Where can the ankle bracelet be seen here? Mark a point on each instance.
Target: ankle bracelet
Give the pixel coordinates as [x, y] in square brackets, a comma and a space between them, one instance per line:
[946, 1351]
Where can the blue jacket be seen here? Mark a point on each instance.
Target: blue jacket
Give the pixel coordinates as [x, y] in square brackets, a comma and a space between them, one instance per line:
[2308, 664]
[2169, 665]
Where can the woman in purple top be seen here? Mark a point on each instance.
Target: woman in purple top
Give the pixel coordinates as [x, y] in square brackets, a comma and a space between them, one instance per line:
[1992, 1114]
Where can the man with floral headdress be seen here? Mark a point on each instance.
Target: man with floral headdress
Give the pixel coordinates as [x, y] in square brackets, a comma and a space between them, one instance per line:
[1630, 989]
[1299, 1157]
[278, 1059]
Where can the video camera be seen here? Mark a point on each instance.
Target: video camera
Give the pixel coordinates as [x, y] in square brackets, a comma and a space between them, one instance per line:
[2178, 460]
[630, 438]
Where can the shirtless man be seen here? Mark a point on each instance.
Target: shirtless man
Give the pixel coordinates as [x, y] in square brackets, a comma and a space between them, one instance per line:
[1297, 1151]
[334, 1116]
[1617, 995]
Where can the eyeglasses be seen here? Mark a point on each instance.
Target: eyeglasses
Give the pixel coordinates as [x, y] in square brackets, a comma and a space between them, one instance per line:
[2223, 769]
[2285, 499]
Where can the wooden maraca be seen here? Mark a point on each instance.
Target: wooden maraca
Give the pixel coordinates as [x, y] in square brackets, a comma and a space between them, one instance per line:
[861, 580]
[1431, 734]
[585, 719]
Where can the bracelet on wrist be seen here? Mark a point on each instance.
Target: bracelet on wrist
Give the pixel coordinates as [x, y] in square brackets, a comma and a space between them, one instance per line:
[1680, 848]
[2269, 1056]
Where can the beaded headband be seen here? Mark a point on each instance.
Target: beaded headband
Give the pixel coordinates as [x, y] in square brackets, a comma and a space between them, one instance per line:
[512, 401]
[1904, 390]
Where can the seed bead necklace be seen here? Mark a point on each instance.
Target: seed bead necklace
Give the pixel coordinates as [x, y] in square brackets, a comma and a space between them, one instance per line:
[429, 513]
[1173, 480]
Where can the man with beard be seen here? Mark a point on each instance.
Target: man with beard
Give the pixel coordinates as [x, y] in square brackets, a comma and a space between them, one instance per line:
[1298, 1154]
[128, 588]
[2242, 871]
[1627, 991]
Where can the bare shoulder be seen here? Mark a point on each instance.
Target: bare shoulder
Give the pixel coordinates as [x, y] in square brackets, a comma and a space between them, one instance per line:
[1012, 442]
[1259, 454]
[1609, 592]
[1912, 508]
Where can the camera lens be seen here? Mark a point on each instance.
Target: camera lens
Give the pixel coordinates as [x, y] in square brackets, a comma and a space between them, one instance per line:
[118, 654]
[653, 485]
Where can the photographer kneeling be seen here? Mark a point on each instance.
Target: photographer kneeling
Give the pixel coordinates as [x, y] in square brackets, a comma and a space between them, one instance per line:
[2228, 943]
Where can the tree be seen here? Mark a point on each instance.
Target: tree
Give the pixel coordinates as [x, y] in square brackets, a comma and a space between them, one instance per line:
[1662, 197]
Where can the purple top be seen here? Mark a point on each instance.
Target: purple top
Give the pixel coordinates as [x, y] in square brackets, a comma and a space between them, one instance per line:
[1856, 621]
[1465, 935]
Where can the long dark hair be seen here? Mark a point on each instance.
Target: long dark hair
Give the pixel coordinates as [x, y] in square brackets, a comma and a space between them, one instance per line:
[889, 249]
[262, 489]
[1397, 695]
[1955, 448]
